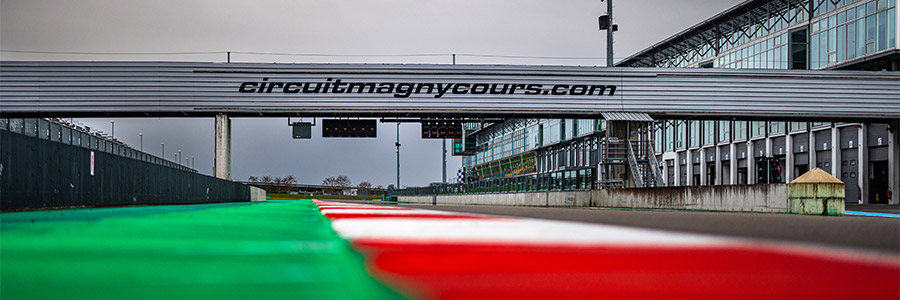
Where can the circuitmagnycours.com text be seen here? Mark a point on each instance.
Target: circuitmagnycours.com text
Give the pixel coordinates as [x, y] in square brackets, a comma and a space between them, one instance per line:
[438, 90]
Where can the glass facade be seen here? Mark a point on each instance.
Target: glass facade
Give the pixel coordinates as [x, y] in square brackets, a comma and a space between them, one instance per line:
[809, 34]
[533, 134]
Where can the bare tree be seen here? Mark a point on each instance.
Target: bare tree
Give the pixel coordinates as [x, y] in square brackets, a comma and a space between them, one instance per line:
[333, 184]
[364, 187]
[290, 179]
[266, 179]
[253, 179]
[344, 182]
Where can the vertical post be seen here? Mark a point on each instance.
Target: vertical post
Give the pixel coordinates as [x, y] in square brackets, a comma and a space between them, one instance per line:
[398, 155]
[163, 153]
[718, 165]
[893, 159]
[703, 167]
[229, 56]
[609, 34]
[689, 165]
[732, 163]
[444, 152]
[862, 162]
[835, 151]
[812, 148]
[789, 155]
[112, 133]
[141, 134]
[751, 163]
[223, 147]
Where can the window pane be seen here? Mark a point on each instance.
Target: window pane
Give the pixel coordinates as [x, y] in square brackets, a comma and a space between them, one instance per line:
[813, 53]
[891, 29]
[724, 131]
[841, 44]
[880, 38]
[861, 37]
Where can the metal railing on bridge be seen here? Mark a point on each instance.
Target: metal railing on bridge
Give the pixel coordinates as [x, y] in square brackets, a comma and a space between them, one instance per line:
[573, 179]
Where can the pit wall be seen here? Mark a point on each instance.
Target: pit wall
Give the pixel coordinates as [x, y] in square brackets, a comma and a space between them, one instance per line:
[770, 198]
[37, 173]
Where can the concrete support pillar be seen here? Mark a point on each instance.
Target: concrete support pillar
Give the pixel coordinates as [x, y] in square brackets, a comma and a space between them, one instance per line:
[835, 151]
[751, 163]
[703, 170]
[788, 157]
[812, 149]
[893, 160]
[223, 147]
[718, 180]
[862, 162]
[732, 163]
[689, 164]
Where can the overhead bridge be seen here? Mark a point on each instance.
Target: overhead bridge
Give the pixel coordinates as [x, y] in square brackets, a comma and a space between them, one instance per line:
[203, 89]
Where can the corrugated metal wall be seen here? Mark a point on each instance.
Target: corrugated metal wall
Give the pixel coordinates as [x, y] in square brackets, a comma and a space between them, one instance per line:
[203, 89]
[37, 173]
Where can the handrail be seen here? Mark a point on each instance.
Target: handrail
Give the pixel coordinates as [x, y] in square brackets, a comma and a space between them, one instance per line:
[654, 163]
[632, 163]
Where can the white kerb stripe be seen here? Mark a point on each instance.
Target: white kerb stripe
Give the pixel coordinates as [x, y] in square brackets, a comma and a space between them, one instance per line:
[384, 212]
[514, 231]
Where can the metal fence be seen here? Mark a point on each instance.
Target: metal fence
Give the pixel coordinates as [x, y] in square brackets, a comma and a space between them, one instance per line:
[575, 179]
[49, 171]
[54, 131]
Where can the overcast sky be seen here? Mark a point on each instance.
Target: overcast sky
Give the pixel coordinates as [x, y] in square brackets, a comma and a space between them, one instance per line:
[263, 146]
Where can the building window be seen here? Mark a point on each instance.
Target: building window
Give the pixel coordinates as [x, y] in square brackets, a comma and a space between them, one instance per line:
[740, 130]
[694, 136]
[670, 135]
[681, 133]
[709, 132]
[757, 129]
[725, 131]
[799, 49]
[776, 127]
[798, 126]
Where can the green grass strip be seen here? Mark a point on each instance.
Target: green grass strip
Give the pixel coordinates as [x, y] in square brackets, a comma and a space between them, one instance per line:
[271, 250]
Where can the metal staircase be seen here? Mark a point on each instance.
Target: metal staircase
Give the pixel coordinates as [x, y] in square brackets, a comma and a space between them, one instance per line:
[643, 164]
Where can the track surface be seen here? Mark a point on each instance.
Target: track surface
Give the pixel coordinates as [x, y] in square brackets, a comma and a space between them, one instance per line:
[268, 250]
[868, 233]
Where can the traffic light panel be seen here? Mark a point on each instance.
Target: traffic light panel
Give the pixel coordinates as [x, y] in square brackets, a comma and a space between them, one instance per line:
[349, 128]
[775, 171]
[442, 129]
[762, 170]
[464, 146]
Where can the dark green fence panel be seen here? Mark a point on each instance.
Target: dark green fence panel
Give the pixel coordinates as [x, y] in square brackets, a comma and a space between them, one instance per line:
[38, 173]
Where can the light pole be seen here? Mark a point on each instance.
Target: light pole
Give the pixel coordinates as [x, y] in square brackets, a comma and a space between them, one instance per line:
[141, 134]
[163, 153]
[112, 123]
[179, 156]
[192, 161]
[609, 34]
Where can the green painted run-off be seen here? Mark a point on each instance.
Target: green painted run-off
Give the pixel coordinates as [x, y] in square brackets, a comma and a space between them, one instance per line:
[268, 250]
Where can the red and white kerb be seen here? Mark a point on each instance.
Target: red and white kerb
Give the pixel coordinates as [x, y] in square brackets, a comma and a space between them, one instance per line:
[443, 255]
